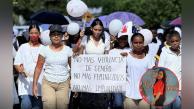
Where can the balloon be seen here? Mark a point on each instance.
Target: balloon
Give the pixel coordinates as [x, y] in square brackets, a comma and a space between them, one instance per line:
[73, 28]
[41, 30]
[45, 38]
[76, 8]
[14, 52]
[15, 31]
[178, 30]
[148, 36]
[115, 26]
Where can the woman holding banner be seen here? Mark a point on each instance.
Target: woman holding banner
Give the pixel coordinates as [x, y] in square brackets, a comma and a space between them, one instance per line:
[95, 43]
[121, 48]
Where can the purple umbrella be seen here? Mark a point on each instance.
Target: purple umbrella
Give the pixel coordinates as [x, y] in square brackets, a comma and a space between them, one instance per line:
[102, 18]
[45, 26]
[176, 21]
[125, 17]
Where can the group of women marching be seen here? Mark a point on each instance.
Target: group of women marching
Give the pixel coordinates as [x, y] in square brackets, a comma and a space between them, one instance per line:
[44, 70]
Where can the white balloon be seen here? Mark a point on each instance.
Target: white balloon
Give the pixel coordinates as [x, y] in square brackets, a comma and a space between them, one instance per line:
[178, 30]
[115, 26]
[73, 28]
[14, 52]
[45, 38]
[41, 30]
[148, 36]
[76, 8]
[15, 31]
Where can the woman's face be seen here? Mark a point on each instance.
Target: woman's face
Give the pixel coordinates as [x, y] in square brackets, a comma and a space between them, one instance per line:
[175, 42]
[160, 75]
[34, 34]
[56, 37]
[123, 41]
[138, 43]
[97, 30]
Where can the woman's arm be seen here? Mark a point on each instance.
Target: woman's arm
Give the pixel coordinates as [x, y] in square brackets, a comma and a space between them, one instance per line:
[38, 69]
[69, 61]
[20, 69]
[78, 51]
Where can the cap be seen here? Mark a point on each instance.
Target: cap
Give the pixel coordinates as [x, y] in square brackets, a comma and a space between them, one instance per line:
[56, 28]
[126, 29]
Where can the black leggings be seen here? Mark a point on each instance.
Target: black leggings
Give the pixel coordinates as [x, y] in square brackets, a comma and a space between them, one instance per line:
[160, 101]
[93, 100]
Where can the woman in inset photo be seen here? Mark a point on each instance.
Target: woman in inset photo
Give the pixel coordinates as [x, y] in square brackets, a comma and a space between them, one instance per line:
[159, 88]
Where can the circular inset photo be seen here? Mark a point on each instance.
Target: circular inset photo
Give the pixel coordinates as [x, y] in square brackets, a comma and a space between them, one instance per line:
[159, 86]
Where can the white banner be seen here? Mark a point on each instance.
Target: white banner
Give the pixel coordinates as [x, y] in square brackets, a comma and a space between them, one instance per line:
[98, 73]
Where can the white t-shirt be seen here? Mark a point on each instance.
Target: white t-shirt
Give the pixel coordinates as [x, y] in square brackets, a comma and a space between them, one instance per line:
[172, 61]
[56, 63]
[91, 48]
[27, 56]
[153, 49]
[135, 70]
[117, 51]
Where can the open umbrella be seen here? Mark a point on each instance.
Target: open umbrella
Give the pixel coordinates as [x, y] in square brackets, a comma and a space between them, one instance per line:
[125, 17]
[176, 21]
[46, 17]
[102, 18]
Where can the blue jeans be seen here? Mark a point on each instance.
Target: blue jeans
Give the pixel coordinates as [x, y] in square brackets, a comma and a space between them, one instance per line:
[118, 100]
[30, 102]
[175, 104]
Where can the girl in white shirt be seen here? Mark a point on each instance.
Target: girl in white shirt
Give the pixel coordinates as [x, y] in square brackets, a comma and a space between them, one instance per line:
[171, 58]
[25, 62]
[121, 48]
[137, 64]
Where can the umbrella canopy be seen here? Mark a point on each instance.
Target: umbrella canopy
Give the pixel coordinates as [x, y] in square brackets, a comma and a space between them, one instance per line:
[176, 21]
[45, 26]
[46, 17]
[125, 17]
[102, 18]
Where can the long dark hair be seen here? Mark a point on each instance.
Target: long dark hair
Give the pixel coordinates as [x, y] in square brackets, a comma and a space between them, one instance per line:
[164, 76]
[97, 21]
[34, 25]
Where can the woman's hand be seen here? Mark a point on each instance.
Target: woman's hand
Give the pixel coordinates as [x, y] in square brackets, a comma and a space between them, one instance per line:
[153, 103]
[75, 51]
[66, 36]
[113, 38]
[75, 95]
[35, 90]
[124, 54]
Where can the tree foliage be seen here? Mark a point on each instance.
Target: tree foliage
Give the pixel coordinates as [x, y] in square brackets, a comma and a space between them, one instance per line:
[153, 12]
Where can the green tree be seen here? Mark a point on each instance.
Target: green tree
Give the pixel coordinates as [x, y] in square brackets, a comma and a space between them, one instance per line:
[153, 12]
[26, 8]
